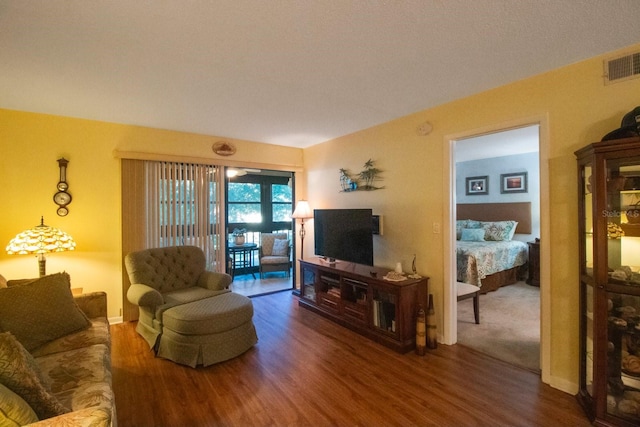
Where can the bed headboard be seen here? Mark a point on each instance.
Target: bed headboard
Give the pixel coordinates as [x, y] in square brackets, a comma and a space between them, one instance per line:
[520, 212]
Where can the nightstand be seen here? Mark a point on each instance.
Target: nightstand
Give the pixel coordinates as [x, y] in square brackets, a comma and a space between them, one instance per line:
[534, 263]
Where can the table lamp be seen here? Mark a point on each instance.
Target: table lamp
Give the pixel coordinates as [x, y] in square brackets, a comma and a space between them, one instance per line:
[40, 240]
[302, 211]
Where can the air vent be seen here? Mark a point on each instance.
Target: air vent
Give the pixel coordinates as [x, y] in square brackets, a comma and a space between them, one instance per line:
[622, 68]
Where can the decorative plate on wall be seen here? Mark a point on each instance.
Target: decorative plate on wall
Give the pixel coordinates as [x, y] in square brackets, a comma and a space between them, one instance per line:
[224, 148]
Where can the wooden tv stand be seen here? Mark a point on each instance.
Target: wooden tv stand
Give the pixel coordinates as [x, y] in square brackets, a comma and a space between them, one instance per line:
[356, 296]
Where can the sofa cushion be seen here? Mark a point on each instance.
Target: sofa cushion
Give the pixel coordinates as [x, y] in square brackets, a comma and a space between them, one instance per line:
[98, 333]
[80, 378]
[40, 310]
[194, 293]
[14, 411]
[20, 373]
[270, 260]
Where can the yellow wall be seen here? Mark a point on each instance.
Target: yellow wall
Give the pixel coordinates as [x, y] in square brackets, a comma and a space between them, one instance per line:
[31, 144]
[578, 109]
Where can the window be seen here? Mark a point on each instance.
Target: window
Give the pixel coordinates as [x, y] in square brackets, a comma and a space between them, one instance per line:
[281, 206]
[244, 199]
[259, 203]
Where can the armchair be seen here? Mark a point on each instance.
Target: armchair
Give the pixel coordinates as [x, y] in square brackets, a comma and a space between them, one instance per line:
[187, 314]
[275, 253]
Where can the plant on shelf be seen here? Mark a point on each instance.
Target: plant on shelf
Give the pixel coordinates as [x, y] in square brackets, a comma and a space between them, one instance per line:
[238, 236]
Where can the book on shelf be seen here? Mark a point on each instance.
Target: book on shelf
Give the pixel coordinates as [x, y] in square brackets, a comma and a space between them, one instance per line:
[376, 310]
[384, 315]
[334, 291]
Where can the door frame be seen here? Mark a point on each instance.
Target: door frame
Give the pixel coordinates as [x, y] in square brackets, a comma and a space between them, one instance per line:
[450, 330]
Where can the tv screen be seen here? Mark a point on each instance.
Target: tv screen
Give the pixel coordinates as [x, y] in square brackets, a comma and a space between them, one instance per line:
[344, 234]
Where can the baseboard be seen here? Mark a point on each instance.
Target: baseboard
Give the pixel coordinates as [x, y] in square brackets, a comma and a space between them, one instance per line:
[115, 320]
[564, 385]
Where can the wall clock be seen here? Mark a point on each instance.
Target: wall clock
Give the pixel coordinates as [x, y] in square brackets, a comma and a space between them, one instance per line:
[62, 198]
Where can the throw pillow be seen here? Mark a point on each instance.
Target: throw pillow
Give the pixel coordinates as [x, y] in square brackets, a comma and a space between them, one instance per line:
[3, 281]
[472, 223]
[14, 411]
[460, 224]
[280, 247]
[40, 311]
[472, 235]
[499, 230]
[20, 373]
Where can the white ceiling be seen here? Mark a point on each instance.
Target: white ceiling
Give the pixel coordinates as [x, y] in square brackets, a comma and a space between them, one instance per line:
[287, 72]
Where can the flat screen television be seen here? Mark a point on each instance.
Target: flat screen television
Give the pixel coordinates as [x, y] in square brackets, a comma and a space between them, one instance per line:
[344, 234]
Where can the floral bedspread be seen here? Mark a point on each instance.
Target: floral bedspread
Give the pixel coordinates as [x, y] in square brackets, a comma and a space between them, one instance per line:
[477, 260]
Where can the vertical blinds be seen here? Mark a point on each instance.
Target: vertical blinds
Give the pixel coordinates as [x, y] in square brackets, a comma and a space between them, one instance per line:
[183, 207]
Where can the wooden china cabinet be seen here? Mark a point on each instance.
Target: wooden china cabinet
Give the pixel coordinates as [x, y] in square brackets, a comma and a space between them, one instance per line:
[609, 233]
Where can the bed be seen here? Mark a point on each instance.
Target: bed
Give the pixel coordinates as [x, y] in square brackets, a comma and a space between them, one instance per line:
[486, 255]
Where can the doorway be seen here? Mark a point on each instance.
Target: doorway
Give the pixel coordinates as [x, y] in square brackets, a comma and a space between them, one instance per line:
[449, 335]
[510, 326]
[258, 202]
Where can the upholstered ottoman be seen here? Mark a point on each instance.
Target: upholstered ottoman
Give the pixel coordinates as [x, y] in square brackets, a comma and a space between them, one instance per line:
[208, 331]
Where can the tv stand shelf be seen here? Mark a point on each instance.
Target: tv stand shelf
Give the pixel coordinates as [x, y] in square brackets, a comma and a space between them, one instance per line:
[356, 296]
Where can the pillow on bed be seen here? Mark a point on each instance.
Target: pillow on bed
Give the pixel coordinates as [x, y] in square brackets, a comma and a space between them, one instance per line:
[498, 231]
[466, 223]
[472, 235]
[472, 223]
[460, 224]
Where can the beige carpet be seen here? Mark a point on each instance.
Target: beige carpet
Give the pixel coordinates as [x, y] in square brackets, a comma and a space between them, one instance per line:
[509, 327]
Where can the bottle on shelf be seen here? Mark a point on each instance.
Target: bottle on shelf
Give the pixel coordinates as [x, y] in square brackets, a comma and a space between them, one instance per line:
[432, 332]
[421, 333]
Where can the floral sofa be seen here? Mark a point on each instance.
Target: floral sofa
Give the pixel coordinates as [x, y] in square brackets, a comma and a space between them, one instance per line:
[55, 355]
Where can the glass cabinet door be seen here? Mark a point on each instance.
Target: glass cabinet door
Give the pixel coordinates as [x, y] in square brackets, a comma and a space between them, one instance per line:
[622, 210]
[623, 361]
[587, 247]
[623, 287]
[308, 288]
[587, 282]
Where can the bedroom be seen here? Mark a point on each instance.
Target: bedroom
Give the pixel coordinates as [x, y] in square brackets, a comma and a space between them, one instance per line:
[509, 327]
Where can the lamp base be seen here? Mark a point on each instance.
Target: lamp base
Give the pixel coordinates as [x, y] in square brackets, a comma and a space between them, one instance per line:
[42, 265]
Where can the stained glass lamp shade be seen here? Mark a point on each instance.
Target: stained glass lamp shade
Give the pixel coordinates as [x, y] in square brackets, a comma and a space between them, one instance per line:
[40, 240]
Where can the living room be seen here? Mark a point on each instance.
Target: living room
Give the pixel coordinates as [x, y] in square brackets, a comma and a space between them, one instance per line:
[571, 104]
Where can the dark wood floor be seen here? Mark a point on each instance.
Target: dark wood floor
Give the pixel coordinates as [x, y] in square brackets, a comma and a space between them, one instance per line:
[307, 371]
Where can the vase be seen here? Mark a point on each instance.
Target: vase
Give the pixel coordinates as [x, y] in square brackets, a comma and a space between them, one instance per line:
[432, 332]
[238, 240]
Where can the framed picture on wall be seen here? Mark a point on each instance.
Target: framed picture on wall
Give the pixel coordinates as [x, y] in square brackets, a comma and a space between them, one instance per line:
[513, 183]
[477, 185]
